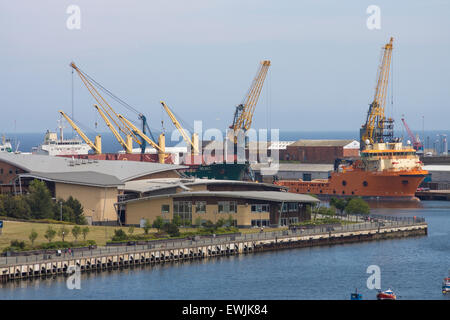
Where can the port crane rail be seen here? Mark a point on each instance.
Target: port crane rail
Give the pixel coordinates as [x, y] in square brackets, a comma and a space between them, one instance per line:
[243, 114]
[376, 123]
[97, 146]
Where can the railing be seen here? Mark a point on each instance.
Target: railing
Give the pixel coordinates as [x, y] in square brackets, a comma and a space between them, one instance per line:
[376, 222]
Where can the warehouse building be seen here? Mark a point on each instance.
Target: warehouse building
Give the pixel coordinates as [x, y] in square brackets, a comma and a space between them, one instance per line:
[321, 151]
[292, 171]
[248, 203]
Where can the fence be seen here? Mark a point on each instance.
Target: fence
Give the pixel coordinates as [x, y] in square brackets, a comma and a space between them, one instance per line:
[376, 222]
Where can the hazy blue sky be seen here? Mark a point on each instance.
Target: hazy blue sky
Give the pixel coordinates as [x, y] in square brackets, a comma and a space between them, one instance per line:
[201, 55]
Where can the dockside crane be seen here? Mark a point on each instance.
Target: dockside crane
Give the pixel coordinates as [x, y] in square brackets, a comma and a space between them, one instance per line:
[377, 128]
[161, 143]
[111, 114]
[97, 146]
[194, 142]
[243, 114]
[126, 144]
[417, 145]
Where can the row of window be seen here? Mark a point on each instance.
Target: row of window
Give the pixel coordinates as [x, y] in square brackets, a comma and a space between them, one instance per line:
[10, 171]
[390, 154]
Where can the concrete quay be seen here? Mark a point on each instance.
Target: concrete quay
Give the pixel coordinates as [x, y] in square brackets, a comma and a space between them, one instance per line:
[21, 267]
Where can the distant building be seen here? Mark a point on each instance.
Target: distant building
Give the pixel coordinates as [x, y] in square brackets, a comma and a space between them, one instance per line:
[292, 171]
[321, 151]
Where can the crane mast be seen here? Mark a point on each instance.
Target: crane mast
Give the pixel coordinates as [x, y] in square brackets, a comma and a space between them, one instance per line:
[417, 145]
[97, 146]
[126, 144]
[243, 114]
[194, 143]
[377, 128]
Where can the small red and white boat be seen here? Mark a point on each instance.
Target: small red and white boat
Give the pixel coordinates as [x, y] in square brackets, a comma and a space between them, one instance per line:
[386, 295]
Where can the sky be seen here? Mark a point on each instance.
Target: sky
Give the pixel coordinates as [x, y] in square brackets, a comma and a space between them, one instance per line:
[200, 57]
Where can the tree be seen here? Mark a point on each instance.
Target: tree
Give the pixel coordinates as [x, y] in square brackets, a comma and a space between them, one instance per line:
[198, 221]
[39, 200]
[131, 230]
[62, 232]
[84, 231]
[50, 233]
[147, 226]
[340, 204]
[177, 220]
[77, 210]
[14, 206]
[76, 231]
[33, 235]
[172, 229]
[119, 235]
[357, 206]
[158, 223]
[230, 221]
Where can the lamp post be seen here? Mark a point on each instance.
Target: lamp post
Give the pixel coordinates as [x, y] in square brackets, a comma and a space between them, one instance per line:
[60, 210]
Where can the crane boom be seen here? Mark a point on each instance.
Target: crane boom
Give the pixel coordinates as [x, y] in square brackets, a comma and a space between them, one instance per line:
[417, 145]
[243, 114]
[128, 144]
[105, 106]
[97, 147]
[373, 129]
[141, 134]
[180, 128]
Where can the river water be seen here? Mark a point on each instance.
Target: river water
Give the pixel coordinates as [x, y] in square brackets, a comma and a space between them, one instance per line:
[412, 267]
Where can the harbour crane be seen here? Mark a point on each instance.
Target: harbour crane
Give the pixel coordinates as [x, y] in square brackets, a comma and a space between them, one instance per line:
[194, 142]
[97, 146]
[160, 147]
[417, 145]
[127, 144]
[377, 128]
[243, 114]
[114, 119]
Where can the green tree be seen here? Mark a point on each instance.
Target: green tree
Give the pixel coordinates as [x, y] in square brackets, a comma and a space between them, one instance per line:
[119, 235]
[340, 204]
[177, 220]
[62, 232]
[14, 206]
[77, 210]
[131, 230]
[158, 223]
[198, 221]
[50, 233]
[33, 235]
[172, 229]
[147, 226]
[230, 221]
[357, 206]
[85, 231]
[39, 200]
[76, 231]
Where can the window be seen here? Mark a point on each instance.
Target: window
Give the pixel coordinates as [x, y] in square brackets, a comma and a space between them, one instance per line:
[200, 207]
[227, 207]
[1, 171]
[260, 223]
[183, 209]
[165, 208]
[293, 206]
[307, 177]
[260, 208]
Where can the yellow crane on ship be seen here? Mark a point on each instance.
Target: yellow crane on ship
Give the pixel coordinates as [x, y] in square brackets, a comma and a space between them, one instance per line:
[96, 146]
[373, 130]
[194, 142]
[111, 117]
[243, 114]
[161, 142]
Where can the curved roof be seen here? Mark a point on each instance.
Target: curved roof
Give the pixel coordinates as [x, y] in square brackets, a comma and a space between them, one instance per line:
[122, 170]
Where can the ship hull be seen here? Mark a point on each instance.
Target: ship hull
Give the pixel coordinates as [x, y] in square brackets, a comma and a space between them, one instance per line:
[366, 184]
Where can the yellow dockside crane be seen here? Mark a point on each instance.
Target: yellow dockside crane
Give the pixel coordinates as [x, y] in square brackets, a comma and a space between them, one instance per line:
[194, 142]
[97, 146]
[373, 130]
[161, 142]
[243, 114]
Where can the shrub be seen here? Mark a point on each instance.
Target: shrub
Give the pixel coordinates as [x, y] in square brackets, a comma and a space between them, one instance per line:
[357, 206]
[119, 235]
[172, 229]
[33, 235]
[158, 223]
[50, 233]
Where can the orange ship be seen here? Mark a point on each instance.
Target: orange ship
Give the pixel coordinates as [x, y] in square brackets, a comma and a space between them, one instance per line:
[384, 171]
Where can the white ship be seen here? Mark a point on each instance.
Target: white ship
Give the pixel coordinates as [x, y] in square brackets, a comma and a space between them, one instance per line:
[55, 146]
[5, 146]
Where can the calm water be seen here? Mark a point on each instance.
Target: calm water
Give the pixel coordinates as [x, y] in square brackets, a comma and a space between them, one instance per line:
[412, 267]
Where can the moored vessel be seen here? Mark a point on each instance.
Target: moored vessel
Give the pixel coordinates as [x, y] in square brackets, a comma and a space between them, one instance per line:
[384, 171]
[446, 285]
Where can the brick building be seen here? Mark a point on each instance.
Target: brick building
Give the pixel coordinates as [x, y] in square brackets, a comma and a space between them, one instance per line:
[321, 151]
